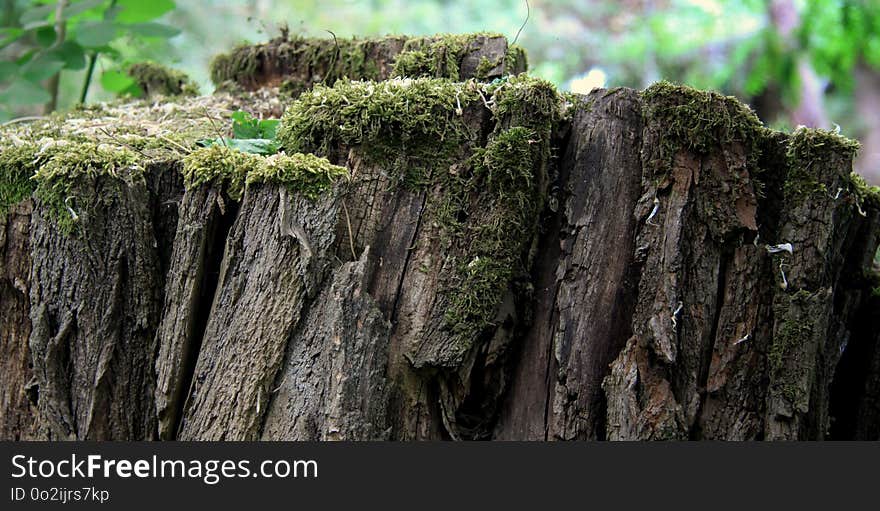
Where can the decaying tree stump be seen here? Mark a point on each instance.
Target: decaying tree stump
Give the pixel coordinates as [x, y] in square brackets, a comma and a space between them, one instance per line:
[445, 249]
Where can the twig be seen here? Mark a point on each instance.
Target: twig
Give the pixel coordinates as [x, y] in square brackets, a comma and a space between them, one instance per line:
[335, 57]
[528, 13]
[214, 127]
[122, 142]
[24, 119]
[184, 149]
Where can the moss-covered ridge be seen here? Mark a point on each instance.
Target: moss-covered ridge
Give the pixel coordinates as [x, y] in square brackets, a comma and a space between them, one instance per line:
[307, 174]
[697, 121]
[49, 158]
[296, 63]
[486, 211]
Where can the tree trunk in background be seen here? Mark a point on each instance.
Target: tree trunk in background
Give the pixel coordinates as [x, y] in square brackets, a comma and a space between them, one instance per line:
[686, 275]
[867, 96]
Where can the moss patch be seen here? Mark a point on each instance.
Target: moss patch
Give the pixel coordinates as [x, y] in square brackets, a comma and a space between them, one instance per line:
[509, 204]
[17, 165]
[234, 170]
[440, 56]
[697, 121]
[419, 118]
[810, 149]
[155, 78]
[333, 59]
[485, 211]
[61, 164]
[307, 174]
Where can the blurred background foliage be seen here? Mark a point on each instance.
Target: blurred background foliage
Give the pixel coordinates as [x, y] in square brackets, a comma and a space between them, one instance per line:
[796, 62]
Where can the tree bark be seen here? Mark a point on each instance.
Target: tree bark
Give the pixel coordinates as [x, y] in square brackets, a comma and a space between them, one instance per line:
[677, 280]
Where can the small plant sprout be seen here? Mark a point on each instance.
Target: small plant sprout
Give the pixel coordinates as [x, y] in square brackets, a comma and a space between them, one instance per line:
[458, 110]
[836, 128]
[653, 211]
[775, 249]
[73, 215]
[784, 283]
[675, 315]
[743, 339]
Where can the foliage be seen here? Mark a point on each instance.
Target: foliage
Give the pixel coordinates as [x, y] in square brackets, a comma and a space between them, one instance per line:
[249, 135]
[50, 37]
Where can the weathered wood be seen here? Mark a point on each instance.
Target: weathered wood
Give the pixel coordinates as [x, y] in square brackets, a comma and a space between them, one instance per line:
[660, 278]
[18, 414]
[94, 307]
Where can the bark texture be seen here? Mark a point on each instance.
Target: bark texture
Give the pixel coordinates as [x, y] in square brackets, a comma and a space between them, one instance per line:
[648, 266]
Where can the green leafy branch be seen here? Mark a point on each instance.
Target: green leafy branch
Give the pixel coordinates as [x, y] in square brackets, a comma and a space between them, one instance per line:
[62, 35]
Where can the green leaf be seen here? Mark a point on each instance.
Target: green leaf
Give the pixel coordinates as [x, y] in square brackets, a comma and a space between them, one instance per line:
[95, 33]
[244, 125]
[71, 53]
[41, 67]
[138, 11]
[23, 92]
[152, 29]
[8, 70]
[10, 34]
[116, 81]
[45, 36]
[268, 127]
[245, 145]
[80, 7]
[36, 14]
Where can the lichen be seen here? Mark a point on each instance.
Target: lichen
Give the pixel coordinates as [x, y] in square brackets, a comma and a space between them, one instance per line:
[153, 78]
[234, 170]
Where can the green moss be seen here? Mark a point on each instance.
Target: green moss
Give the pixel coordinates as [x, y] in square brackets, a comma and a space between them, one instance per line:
[516, 60]
[155, 78]
[220, 165]
[62, 164]
[486, 210]
[307, 174]
[439, 56]
[234, 170]
[796, 315]
[527, 101]
[418, 118]
[697, 121]
[809, 152]
[16, 168]
[505, 174]
[336, 58]
[864, 195]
